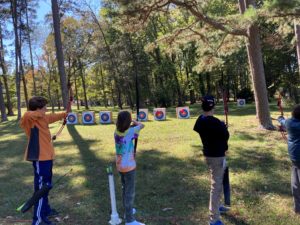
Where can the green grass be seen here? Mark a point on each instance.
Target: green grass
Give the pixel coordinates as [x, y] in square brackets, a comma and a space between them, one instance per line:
[172, 178]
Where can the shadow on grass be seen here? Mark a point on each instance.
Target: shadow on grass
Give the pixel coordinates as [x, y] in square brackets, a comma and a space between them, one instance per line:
[263, 173]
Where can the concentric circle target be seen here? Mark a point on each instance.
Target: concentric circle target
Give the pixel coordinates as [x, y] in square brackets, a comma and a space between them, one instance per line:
[71, 118]
[87, 118]
[142, 115]
[183, 113]
[159, 115]
[105, 117]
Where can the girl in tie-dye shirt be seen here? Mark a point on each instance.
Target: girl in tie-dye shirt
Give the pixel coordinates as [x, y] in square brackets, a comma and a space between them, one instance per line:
[125, 160]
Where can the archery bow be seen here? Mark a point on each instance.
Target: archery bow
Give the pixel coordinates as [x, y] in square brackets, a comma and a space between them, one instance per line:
[68, 109]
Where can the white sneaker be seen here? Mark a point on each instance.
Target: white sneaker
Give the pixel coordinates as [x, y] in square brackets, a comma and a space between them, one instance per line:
[135, 223]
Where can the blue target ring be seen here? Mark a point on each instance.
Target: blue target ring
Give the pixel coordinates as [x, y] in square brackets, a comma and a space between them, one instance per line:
[87, 118]
[159, 115]
[71, 118]
[183, 113]
[241, 102]
[142, 115]
[105, 117]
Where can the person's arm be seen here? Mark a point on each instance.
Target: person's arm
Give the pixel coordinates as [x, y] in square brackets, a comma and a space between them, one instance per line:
[53, 117]
[136, 123]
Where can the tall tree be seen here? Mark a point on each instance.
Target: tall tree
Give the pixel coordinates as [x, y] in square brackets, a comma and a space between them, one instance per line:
[30, 47]
[257, 69]
[14, 13]
[297, 34]
[4, 75]
[2, 104]
[59, 52]
[201, 15]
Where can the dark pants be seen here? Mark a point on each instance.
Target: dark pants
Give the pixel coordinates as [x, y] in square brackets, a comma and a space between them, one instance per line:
[128, 188]
[295, 184]
[42, 176]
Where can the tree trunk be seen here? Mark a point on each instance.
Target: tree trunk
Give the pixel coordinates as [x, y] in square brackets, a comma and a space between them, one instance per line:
[22, 70]
[257, 71]
[103, 86]
[83, 86]
[59, 53]
[15, 24]
[2, 105]
[76, 92]
[4, 74]
[297, 33]
[30, 50]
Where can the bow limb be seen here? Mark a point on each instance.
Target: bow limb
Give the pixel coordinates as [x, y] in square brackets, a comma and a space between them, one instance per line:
[68, 109]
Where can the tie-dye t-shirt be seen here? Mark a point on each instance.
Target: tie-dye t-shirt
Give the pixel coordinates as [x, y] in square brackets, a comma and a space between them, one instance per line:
[125, 148]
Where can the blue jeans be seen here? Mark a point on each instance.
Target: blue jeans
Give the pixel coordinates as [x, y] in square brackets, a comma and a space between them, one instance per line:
[128, 189]
[295, 184]
[42, 176]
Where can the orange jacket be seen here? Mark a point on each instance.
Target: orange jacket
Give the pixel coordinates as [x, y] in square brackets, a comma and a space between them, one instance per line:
[41, 121]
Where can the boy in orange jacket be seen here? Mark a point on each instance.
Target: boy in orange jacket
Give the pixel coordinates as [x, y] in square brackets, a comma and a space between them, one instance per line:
[41, 152]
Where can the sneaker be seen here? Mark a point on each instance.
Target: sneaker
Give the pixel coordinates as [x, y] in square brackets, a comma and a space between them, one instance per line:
[53, 213]
[219, 222]
[223, 209]
[135, 223]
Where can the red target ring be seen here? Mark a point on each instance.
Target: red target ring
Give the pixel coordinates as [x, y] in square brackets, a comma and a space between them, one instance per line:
[71, 118]
[159, 115]
[105, 117]
[87, 118]
[142, 115]
[183, 113]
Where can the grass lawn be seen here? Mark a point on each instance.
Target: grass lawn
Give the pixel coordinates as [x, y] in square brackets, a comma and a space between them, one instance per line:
[172, 177]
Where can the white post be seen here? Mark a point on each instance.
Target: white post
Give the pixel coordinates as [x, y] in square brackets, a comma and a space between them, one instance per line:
[114, 217]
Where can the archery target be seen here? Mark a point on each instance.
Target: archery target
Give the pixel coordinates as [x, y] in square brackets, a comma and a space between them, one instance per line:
[159, 114]
[183, 112]
[105, 117]
[72, 118]
[241, 102]
[88, 118]
[143, 115]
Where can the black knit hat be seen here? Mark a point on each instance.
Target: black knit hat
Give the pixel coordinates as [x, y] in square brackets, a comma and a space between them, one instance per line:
[208, 103]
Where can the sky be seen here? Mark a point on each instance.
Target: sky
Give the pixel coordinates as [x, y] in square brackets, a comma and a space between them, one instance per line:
[40, 34]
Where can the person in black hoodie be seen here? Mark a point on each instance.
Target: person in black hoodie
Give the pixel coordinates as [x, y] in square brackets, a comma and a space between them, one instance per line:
[214, 136]
[292, 126]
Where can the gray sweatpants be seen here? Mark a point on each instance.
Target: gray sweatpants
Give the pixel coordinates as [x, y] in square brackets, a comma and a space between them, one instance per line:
[216, 168]
[295, 184]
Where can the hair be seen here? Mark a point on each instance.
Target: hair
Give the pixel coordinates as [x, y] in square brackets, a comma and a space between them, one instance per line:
[208, 103]
[207, 107]
[123, 121]
[296, 112]
[37, 102]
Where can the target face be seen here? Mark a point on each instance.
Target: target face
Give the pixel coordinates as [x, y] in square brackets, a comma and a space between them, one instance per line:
[241, 102]
[72, 118]
[88, 118]
[160, 114]
[143, 115]
[183, 112]
[105, 117]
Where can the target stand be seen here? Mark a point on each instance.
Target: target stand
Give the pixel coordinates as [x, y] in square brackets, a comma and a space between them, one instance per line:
[88, 117]
[105, 117]
[159, 114]
[241, 102]
[143, 115]
[183, 112]
[72, 118]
